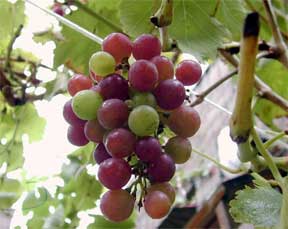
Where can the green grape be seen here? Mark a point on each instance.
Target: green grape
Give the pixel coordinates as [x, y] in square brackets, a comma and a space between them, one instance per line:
[102, 63]
[179, 149]
[86, 103]
[143, 120]
[144, 99]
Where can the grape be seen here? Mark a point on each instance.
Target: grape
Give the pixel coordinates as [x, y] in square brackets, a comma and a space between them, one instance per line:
[118, 45]
[117, 205]
[78, 83]
[96, 88]
[114, 173]
[162, 169]
[95, 77]
[143, 120]
[148, 149]
[113, 113]
[102, 63]
[76, 136]
[94, 131]
[70, 116]
[146, 47]
[114, 87]
[164, 187]
[120, 143]
[188, 72]
[179, 149]
[57, 8]
[157, 204]
[170, 94]
[164, 67]
[143, 75]
[184, 121]
[144, 98]
[86, 103]
[100, 153]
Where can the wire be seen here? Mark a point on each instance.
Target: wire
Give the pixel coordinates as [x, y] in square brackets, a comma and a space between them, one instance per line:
[69, 23]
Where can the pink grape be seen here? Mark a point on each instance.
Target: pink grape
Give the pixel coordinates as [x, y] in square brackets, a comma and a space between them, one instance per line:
[169, 94]
[120, 143]
[146, 47]
[148, 149]
[70, 116]
[188, 72]
[94, 131]
[114, 173]
[143, 75]
[157, 204]
[114, 87]
[163, 187]
[78, 83]
[100, 153]
[164, 66]
[113, 113]
[118, 45]
[76, 136]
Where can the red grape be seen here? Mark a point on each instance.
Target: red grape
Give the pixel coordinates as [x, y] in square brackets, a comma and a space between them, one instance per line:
[164, 187]
[164, 66]
[120, 143]
[170, 94]
[162, 169]
[188, 72]
[157, 204]
[118, 45]
[94, 131]
[113, 113]
[58, 9]
[100, 153]
[143, 75]
[76, 136]
[70, 116]
[179, 149]
[184, 121]
[148, 149]
[146, 47]
[117, 205]
[114, 87]
[78, 83]
[114, 173]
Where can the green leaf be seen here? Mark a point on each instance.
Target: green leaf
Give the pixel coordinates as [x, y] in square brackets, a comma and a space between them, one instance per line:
[12, 154]
[135, 15]
[56, 220]
[13, 16]
[274, 74]
[259, 206]
[10, 191]
[84, 153]
[101, 222]
[76, 50]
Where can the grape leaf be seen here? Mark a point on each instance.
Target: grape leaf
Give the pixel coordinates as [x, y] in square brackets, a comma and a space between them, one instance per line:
[10, 191]
[274, 74]
[12, 154]
[56, 220]
[75, 50]
[101, 222]
[13, 16]
[259, 206]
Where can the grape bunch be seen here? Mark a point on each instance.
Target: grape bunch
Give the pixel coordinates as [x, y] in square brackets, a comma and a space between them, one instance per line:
[125, 108]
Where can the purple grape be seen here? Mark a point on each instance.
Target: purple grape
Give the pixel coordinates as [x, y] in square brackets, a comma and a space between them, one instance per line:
[162, 169]
[100, 153]
[114, 173]
[113, 113]
[148, 149]
[76, 136]
[114, 87]
[70, 116]
[146, 47]
[170, 94]
[94, 132]
[143, 75]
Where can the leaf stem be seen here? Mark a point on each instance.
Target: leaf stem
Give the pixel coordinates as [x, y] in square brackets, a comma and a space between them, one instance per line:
[227, 169]
[274, 139]
[266, 155]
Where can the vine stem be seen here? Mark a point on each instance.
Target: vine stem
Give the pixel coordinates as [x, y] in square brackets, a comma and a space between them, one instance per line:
[227, 169]
[69, 23]
[274, 139]
[266, 155]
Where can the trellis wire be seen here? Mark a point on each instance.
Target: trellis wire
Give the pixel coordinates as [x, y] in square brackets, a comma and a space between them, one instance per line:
[99, 40]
